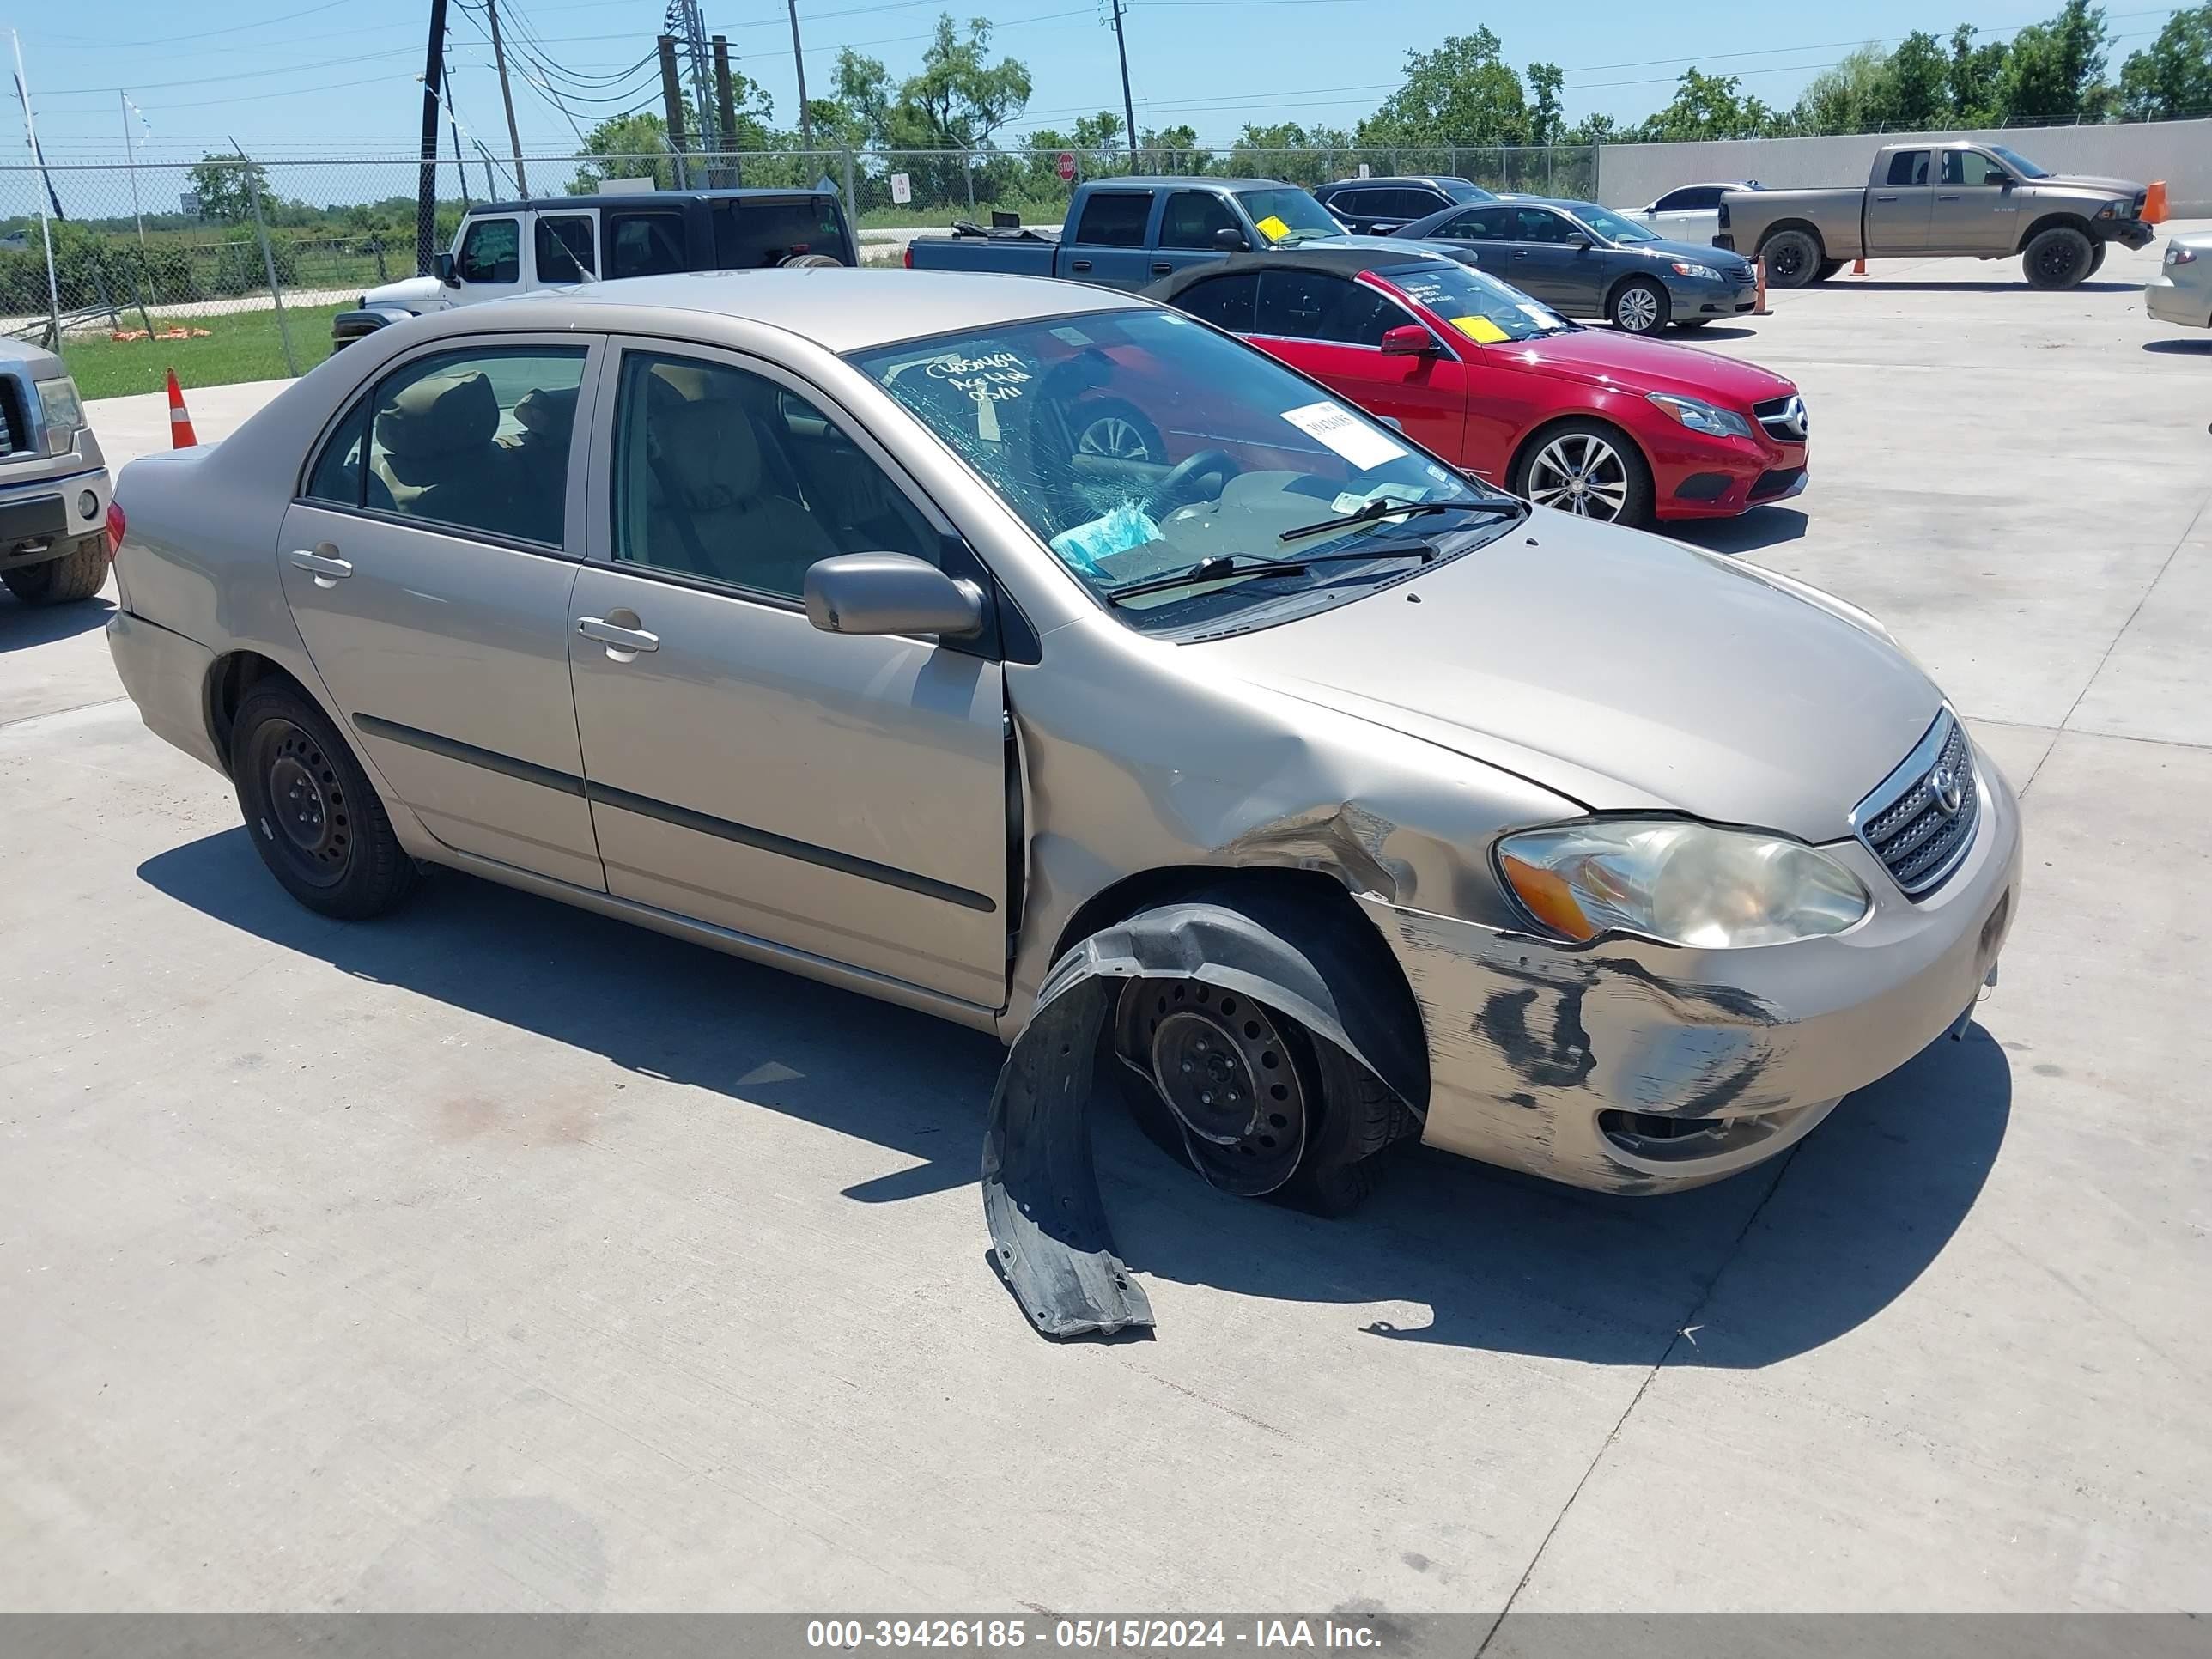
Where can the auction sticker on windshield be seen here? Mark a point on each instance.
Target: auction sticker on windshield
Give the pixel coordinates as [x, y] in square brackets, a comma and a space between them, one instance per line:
[1480, 330]
[1272, 228]
[1358, 442]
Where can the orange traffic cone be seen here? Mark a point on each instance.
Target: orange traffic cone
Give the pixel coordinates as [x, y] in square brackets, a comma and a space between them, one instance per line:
[1858, 267]
[181, 435]
[2154, 211]
[1758, 292]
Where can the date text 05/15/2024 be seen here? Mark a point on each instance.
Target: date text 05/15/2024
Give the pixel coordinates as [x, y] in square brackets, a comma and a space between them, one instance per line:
[1137, 1634]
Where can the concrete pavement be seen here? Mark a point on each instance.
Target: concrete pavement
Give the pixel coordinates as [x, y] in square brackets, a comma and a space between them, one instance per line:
[493, 1256]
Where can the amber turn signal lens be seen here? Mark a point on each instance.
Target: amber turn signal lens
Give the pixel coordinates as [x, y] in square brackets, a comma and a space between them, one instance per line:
[1547, 898]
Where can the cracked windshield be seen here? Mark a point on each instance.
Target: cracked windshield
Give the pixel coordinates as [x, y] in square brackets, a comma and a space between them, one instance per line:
[1138, 445]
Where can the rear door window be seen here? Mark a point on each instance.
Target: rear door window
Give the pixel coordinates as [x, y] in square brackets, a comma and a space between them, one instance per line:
[645, 244]
[1114, 218]
[563, 245]
[1411, 203]
[752, 234]
[1908, 167]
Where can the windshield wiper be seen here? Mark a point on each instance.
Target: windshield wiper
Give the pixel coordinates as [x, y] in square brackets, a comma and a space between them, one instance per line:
[1222, 566]
[1384, 507]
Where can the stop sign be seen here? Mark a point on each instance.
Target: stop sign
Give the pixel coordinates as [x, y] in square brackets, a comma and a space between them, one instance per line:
[1067, 165]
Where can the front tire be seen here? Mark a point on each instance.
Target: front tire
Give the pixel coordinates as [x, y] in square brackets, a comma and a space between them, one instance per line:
[2058, 258]
[314, 819]
[75, 575]
[1794, 258]
[1587, 468]
[1639, 307]
[2097, 259]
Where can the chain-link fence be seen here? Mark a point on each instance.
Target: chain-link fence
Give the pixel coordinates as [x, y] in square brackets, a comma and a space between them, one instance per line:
[254, 255]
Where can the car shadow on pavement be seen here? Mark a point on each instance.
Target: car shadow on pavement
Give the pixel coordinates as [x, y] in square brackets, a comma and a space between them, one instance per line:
[1457, 1252]
[1710, 331]
[1900, 285]
[2180, 348]
[22, 626]
[1762, 526]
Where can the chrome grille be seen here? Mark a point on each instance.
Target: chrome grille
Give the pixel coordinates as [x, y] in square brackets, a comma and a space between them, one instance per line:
[1920, 821]
[1784, 418]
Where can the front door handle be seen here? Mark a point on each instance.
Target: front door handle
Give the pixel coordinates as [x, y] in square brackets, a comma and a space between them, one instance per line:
[327, 572]
[1947, 198]
[1079, 264]
[617, 640]
[1885, 198]
[1162, 268]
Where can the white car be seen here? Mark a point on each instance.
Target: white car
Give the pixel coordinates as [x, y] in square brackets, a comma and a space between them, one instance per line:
[1690, 214]
[2182, 291]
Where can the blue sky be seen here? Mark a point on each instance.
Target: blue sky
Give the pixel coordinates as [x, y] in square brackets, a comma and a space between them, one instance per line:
[317, 70]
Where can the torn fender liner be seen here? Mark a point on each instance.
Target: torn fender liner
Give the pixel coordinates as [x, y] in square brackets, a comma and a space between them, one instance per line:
[1049, 1232]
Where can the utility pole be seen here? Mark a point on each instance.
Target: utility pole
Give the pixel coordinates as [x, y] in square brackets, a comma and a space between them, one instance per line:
[507, 97]
[425, 177]
[798, 63]
[1128, 103]
[671, 99]
[726, 104]
[131, 157]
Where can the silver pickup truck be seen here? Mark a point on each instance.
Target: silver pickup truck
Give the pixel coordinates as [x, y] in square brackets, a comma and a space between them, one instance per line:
[1960, 199]
[54, 492]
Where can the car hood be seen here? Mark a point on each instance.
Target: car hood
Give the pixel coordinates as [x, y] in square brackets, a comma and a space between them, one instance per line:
[1606, 357]
[2128, 187]
[1623, 671]
[1704, 253]
[413, 292]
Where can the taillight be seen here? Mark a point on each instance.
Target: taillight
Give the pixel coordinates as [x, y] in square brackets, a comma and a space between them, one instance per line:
[115, 526]
[907, 257]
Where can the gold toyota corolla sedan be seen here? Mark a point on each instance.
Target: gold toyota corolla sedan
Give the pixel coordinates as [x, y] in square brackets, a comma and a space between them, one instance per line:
[1256, 759]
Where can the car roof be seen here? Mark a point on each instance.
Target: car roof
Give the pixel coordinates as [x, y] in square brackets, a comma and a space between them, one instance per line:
[839, 308]
[643, 198]
[1400, 178]
[1340, 255]
[1144, 181]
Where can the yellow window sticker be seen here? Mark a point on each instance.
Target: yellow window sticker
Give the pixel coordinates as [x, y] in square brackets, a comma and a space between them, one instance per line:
[1272, 228]
[1480, 328]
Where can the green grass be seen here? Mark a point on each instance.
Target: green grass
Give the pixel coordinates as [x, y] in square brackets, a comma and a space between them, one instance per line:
[240, 347]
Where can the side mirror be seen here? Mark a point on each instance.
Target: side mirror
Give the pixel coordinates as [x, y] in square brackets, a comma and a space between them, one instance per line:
[441, 267]
[1230, 242]
[1409, 340]
[1577, 241]
[890, 593]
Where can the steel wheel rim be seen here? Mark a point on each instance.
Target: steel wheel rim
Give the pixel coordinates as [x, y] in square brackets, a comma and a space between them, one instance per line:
[1115, 439]
[305, 816]
[1637, 311]
[1579, 472]
[1220, 1062]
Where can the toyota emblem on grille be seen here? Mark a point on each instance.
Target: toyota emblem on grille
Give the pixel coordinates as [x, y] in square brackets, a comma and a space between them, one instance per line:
[1943, 784]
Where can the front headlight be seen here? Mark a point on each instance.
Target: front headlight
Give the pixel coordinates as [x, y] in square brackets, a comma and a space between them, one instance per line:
[1686, 884]
[1701, 417]
[63, 410]
[1684, 267]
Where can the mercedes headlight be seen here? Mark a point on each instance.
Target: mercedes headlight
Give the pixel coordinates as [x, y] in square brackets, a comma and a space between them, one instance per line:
[1686, 884]
[63, 411]
[1684, 267]
[1701, 417]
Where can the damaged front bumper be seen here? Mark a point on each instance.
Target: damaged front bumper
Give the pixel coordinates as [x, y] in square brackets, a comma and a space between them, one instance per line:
[1632, 1066]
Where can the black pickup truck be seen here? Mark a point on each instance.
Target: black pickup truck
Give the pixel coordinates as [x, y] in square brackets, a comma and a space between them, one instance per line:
[1129, 233]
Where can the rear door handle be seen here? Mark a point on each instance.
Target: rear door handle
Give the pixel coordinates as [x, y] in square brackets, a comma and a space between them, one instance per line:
[1947, 198]
[1079, 264]
[1162, 268]
[327, 572]
[617, 639]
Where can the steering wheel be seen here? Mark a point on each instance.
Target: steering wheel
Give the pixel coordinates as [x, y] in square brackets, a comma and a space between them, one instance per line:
[1169, 493]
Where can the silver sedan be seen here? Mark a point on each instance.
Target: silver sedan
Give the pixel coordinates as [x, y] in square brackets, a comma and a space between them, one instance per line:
[1318, 794]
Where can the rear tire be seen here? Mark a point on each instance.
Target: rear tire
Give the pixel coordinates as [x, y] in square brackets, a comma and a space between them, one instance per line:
[76, 576]
[313, 817]
[1793, 259]
[1639, 305]
[2058, 258]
